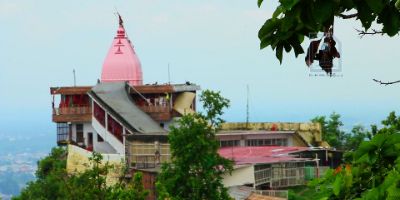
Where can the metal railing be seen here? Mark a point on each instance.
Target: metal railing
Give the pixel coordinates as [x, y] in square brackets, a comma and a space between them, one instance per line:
[285, 177]
[262, 176]
[72, 110]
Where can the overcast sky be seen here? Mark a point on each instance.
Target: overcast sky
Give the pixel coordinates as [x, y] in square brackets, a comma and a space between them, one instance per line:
[211, 43]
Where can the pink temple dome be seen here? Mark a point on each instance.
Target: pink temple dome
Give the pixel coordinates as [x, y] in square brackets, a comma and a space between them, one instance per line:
[121, 62]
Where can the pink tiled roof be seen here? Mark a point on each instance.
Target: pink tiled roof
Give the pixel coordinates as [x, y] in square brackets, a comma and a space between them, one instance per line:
[121, 62]
[261, 154]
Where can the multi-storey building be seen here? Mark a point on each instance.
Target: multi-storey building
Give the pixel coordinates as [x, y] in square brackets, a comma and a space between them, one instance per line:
[121, 115]
[128, 121]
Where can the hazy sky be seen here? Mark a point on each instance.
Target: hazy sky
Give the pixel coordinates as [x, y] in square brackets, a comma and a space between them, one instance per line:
[211, 43]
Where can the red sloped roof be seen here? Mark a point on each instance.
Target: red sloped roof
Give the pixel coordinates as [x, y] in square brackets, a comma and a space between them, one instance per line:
[261, 154]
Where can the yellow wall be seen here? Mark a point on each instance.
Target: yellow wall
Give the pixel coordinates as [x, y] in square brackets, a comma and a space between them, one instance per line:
[309, 132]
[78, 161]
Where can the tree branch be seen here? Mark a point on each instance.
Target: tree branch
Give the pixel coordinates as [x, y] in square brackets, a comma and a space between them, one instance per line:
[343, 16]
[363, 33]
[386, 83]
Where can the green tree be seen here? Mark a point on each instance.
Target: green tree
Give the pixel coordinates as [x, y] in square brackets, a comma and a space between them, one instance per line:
[295, 19]
[50, 175]
[372, 173]
[196, 168]
[132, 190]
[90, 184]
[53, 181]
[357, 136]
[331, 132]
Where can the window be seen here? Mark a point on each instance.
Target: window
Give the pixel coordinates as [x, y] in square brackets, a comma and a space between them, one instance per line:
[267, 142]
[229, 143]
[90, 139]
[79, 133]
[62, 132]
[99, 114]
[99, 138]
[114, 128]
[62, 128]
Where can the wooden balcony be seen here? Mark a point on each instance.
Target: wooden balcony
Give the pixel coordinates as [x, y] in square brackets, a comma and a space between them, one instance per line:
[158, 112]
[72, 114]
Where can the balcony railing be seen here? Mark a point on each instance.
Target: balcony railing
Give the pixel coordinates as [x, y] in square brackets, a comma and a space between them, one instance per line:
[155, 108]
[72, 110]
[158, 112]
[72, 114]
[285, 177]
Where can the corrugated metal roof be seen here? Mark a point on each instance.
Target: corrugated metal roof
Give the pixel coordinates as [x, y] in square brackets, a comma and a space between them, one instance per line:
[116, 98]
[261, 154]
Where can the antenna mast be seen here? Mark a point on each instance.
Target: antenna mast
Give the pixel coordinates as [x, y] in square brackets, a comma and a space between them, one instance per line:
[169, 76]
[247, 108]
[73, 71]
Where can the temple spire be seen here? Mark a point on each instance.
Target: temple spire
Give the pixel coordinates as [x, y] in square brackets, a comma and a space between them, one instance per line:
[121, 22]
[121, 62]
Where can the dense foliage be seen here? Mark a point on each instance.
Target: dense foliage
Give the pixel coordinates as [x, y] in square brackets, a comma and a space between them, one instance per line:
[53, 181]
[373, 169]
[295, 19]
[339, 139]
[196, 169]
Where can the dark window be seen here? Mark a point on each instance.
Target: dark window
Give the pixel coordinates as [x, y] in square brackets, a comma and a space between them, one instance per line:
[114, 128]
[90, 139]
[99, 138]
[62, 132]
[99, 114]
[79, 132]
[229, 143]
[267, 142]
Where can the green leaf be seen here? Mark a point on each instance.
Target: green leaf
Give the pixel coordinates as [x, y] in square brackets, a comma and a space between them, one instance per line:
[347, 4]
[287, 24]
[364, 159]
[337, 185]
[267, 28]
[287, 47]
[323, 11]
[259, 2]
[265, 42]
[376, 5]
[279, 52]
[364, 148]
[277, 12]
[365, 14]
[296, 44]
[288, 4]
[390, 18]
[397, 4]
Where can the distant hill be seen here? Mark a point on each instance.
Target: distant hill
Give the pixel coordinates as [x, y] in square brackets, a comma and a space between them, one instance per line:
[19, 154]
